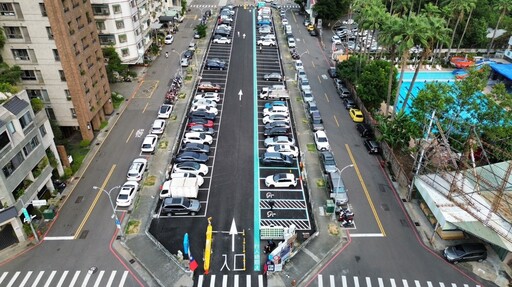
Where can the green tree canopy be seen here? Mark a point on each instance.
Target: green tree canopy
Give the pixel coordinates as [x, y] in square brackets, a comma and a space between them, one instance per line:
[331, 10]
[114, 65]
[373, 82]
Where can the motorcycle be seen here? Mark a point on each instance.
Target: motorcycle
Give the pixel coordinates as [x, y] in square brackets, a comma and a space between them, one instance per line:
[346, 218]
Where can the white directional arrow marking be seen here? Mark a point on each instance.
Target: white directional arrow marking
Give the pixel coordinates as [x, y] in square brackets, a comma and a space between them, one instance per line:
[239, 98]
[233, 232]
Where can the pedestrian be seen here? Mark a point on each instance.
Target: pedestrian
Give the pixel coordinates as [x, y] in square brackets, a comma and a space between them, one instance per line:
[243, 36]
[238, 33]
[167, 54]
[261, 49]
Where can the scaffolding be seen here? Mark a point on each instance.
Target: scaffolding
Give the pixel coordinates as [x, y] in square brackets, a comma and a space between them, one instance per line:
[471, 177]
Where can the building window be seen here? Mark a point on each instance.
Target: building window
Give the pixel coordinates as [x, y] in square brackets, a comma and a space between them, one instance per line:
[28, 75]
[43, 131]
[4, 140]
[75, 47]
[120, 24]
[85, 45]
[70, 27]
[134, 18]
[100, 9]
[116, 8]
[30, 146]
[56, 54]
[43, 10]
[73, 113]
[20, 54]
[6, 9]
[132, 3]
[13, 32]
[49, 32]
[25, 120]
[79, 22]
[62, 76]
[38, 94]
[125, 52]
[51, 114]
[11, 128]
[68, 94]
[13, 164]
[107, 39]
[122, 38]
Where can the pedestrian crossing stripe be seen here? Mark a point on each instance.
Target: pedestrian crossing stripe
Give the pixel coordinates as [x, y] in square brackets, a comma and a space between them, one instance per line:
[355, 281]
[20, 279]
[203, 6]
[230, 280]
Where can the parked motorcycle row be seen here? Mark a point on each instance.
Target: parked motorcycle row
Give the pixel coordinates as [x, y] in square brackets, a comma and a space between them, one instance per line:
[172, 93]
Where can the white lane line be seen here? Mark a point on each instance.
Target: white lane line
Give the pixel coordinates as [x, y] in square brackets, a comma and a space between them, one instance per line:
[368, 282]
[49, 281]
[344, 281]
[260, 281]
[3, 276]
[248, 280]
[331, 280]
[366, 235]
[13, 279]
[49, 238]
[393, 284]
[236, 280]
[62, 278]
[200, 281]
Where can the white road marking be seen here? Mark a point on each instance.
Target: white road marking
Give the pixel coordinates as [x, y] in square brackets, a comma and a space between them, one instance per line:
[320, 280]
[123, 279]
[111, 278]
[224, 280]
[13, 279]
[22, 284]
[212, 282]
[62, 278]
[98, 280]
[49, 281]
[39, 276]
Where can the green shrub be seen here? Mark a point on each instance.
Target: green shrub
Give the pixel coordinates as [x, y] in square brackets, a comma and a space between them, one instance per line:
[85, 143]
[37, 105]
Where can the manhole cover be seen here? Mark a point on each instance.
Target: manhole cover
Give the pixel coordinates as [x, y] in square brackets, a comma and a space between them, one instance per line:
[79, 199]
[84, 234]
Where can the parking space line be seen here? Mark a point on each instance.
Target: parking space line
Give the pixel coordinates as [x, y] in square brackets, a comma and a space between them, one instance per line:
[145, 107]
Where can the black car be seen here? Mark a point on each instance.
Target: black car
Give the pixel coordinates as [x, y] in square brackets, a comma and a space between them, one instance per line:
[349, 103]
[222, 32]
[202, 114]
[59, 185]
[365, 130]
[276, 124]
[465, 252]
[372, 146]
[332, 72]
[276, 131]
[198, 157]
[328, 162]
[216, 65]
[188, 54]
[180, 205]
[196, 147]
[276, 159]
[202, 129]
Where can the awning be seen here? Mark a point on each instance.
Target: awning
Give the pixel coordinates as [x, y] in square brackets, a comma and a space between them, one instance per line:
[156, 26]
[503, 69]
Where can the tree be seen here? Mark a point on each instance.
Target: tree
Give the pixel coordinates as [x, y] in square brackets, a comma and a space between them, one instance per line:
[387, 39]
[372, 82]
[471, 6]
[10, 75]
[503, 6]
[459, 7]
[347, 69]
[183, 7]
[201, 30]
[301, 3]
[115, 67]
[330, 10]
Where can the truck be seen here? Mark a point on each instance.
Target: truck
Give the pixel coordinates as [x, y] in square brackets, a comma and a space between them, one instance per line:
[180, 187]
[269, 93]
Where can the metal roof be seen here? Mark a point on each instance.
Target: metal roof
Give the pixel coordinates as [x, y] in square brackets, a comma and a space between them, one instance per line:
[15, 105]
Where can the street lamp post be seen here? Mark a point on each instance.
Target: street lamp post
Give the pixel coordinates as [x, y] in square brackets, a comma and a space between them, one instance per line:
[114, 215]
[341, 171]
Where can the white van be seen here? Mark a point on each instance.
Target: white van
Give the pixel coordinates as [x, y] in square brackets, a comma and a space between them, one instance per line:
[288, 29]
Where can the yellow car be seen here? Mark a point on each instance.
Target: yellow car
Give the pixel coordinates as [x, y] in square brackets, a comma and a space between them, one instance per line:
[310, 27]
[356, 115]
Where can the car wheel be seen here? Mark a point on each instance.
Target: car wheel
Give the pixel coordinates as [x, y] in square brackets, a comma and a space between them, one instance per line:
[193, 213]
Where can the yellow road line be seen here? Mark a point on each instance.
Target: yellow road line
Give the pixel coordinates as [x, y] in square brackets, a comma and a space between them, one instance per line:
[363, 185]
[137, 89]
[154, 88]
[320, 81]
[98, 194]
[327, 98]
[336, 120]
[127, 139]
[145, 107]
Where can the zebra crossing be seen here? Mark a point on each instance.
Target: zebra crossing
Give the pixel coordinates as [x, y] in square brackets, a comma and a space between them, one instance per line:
[202, 6]
[322, 281]
[66, 278]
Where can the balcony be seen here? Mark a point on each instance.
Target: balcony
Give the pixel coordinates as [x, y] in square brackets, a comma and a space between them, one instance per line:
[32, 190]
[8, 213]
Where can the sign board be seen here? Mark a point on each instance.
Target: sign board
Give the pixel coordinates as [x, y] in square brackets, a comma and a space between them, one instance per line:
[39, 202]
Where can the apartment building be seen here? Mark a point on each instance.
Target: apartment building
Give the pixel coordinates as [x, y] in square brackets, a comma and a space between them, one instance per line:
[125, 25]
[56, 44]
[27, 152]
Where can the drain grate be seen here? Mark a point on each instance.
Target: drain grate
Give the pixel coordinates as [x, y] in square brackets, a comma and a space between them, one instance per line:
[84, 234]
[132, 261]
[416, 223]
[79, 199]
[385, 207]
[404, 200]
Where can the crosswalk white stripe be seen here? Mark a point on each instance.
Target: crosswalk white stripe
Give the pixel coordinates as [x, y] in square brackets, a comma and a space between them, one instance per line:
[475, 286]
[236, 280]
[49, 281]
[417, 283]
[13, 279]
[368, 282]
[356, 281]
[454, 285]
[98, 280]
[224, 280]
[24, 281]
[381, 282]
[73, 280]
[441, 284]
[39, 276]
[429, 284]
[260, 281]
[111, 278]
[212, 281]
[466, 285]
[331, 280]
[62, 278]
[86, 279]
[3, 276]
[393, 284]
[123, 279]
[248, 280]
[344, 281]
[200, 281]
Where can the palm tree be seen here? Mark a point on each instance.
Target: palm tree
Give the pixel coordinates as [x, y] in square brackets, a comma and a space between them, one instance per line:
[503, 6]
[460, 6]
[434, 30]
[472, 5]
[387, 39]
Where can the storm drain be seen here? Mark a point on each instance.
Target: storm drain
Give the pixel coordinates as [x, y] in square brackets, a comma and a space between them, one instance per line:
[416, 223]
[79, 199]
[132, 261]
[84, 234]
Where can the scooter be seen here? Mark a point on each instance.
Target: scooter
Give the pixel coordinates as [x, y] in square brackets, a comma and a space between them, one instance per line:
[346, 218]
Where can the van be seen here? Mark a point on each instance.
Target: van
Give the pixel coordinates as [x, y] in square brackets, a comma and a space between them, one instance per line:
[338, 192]
[288, 29]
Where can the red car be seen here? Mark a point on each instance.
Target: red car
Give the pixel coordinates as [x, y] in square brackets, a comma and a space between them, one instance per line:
[199, 121]
[208, 87]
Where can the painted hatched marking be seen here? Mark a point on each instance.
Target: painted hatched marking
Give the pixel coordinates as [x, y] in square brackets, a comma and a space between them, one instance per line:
[3, 276]
[300, 224]
[284, 204]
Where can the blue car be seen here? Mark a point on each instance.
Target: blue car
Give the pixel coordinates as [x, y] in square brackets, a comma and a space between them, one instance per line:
[264, 22]
[274, 104]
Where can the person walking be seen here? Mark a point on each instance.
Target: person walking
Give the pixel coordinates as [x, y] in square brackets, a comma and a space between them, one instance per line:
[261, 49]
[167, 54]
[238, 33]
[243, 36]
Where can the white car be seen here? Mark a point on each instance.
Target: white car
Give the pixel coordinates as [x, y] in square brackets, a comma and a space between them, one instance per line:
[226, 18]
[158, 127]
[204, 102]
[285, 21]
[276, 118]
[281, 180]
[290, 150]
[195, 137]
[137, 169]
[336, 40]
[291, 43]
[266, 42]
[212, 96]
[224, 27]
[169, 39]
[203, 108]
[299, 65]
[222, 40]
[321, 141]
[184, 62]
[279, 140]
[265, 30]
[281, 110]
[200, 179]
[127, 193]
[165, 111]
[190, 167]
[149, 143]
[268, 37]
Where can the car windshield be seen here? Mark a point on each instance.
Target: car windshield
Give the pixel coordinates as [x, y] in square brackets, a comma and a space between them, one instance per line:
[322, 140]
[122, 196]
[163, 109]
[187, 202]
